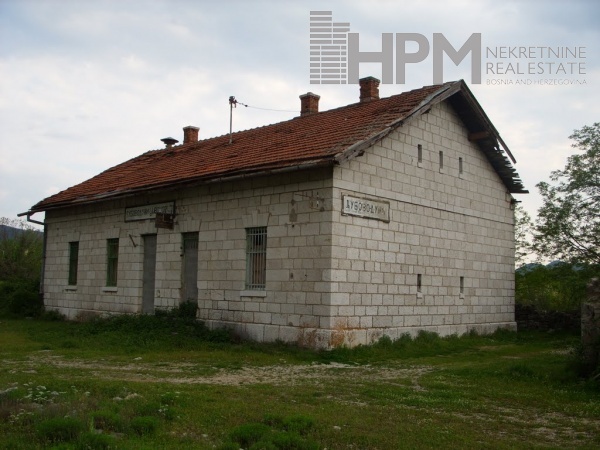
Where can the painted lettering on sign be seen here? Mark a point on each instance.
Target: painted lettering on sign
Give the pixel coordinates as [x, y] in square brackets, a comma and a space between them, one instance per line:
[148, 211]
[365, 207]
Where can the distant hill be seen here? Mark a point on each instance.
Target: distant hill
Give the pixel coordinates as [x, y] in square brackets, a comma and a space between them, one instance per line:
[8, 232]
[526, 268]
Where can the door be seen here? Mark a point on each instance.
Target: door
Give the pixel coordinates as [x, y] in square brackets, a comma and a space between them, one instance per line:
[190, 268]
[148, 274]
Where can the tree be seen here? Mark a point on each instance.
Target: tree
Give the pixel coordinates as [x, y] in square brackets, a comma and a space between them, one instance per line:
[523, 230]
[20, 251]
[568, 223]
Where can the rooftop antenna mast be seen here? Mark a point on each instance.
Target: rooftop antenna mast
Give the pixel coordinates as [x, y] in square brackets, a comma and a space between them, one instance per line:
[232, 103]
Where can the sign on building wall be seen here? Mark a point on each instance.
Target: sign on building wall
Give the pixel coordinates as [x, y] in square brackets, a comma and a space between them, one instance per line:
[366, 207]
[148, 211]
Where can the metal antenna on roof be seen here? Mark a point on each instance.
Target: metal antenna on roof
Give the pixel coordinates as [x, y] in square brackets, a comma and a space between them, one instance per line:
[232, 103]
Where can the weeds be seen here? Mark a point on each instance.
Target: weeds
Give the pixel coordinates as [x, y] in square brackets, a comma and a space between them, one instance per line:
[59, 429]
[273, 433]
[131, 383]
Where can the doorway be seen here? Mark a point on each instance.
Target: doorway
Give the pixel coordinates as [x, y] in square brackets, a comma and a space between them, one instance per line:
[148, 274]
[190, 267]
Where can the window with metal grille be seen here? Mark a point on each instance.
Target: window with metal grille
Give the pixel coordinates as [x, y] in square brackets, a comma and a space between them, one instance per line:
[256, 258]
[73, 261]
[112, 259]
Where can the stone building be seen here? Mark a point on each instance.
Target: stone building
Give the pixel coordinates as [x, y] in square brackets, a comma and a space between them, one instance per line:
[383, 217]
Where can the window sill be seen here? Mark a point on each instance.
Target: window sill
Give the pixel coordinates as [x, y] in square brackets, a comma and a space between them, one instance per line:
[419, 164]
[253, 293]
[461, 295]
[71, 288]
[109, 289]
[419, 295]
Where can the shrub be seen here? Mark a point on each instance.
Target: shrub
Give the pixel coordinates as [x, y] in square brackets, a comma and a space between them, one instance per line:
[555, 287]
[20, 298]
[144, 425]
[59, 429]
[107, 421]
[298, 424]
[96, 441]
[248, 434]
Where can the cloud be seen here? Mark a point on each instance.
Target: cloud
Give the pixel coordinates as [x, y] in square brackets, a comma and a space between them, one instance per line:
[87, 85]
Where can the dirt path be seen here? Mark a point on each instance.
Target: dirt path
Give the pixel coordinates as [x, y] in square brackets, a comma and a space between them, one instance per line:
[190, 373]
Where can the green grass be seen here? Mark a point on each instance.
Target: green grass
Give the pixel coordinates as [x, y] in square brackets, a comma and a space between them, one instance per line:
[167, 382]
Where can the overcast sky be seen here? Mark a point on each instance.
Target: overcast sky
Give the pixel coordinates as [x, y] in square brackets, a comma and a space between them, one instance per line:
[88, 84]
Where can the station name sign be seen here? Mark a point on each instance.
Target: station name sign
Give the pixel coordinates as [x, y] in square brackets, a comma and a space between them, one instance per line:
[365, 207]
[148, 211]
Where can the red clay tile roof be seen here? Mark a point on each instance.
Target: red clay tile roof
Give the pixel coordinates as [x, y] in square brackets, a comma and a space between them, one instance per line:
[312, 139]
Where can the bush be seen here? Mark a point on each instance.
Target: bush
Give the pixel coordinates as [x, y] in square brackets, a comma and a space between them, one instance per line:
[96, 441]
[275, 433]
[555, 287]
[59, 429]
[144, 425]
[298, 424]
[20, 298]
[248, 434]
[107, 421]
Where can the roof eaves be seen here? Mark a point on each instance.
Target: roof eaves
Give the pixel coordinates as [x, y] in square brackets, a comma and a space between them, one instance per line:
[230, 176]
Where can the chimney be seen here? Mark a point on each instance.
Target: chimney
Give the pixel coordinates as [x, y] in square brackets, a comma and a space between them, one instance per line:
[190, 134]
[369, 89]
[309, 104]
[169, 142]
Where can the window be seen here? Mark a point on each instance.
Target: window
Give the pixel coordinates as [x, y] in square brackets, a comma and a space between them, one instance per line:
[73, 260]
[256, 258]
[112, 259]
[460, 166]
[419, 153]
[419, 285]
[441, 160]
[462, 286]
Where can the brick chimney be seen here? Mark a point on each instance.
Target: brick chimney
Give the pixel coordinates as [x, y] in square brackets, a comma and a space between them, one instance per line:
[309, 104]
[369, 89]
[190, 134]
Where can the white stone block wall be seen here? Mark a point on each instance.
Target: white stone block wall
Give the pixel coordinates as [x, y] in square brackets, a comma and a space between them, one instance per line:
[296, 209]
[444, 225]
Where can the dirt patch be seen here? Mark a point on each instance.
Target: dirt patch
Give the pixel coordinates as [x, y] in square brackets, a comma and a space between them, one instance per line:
[187, 373]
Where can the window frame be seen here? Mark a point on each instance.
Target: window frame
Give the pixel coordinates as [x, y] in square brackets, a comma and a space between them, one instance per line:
[256, 259]
[73, 263]
[112, 262]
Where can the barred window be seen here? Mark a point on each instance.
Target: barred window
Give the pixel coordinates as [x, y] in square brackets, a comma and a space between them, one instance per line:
[73, 261]
[112, 259]
[256, 258]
